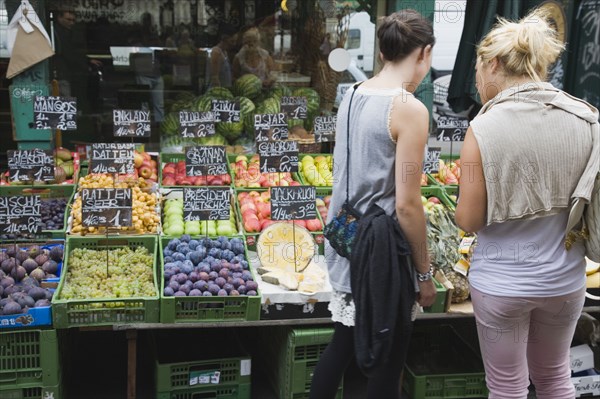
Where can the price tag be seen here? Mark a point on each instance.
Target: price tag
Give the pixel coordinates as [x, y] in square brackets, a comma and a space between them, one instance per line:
[226, 111]
[112, 158]
[26, 165]
[465, 244]
[452, 128]
[269, 127]
[294, 107]
[109, 207]
[206, 160]
[432, 160]
[462, 267]
[293, 203]
[20, 215]
[55, 112]
[206, 203]
[278, 156]
[131, 123]
[196, 124]
[324, 128]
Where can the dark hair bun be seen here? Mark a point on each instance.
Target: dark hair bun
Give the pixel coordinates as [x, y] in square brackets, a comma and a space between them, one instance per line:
[402, 32]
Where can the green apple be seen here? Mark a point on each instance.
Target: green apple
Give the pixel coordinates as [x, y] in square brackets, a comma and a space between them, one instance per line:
[175, 230]
[192, 227]
[225, 230]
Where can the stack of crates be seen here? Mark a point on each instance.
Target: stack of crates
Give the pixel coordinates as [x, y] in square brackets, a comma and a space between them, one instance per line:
[291, 355]
[29, 364]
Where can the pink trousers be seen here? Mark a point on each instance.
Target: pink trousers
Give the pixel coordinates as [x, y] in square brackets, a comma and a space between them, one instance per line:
[522, 338]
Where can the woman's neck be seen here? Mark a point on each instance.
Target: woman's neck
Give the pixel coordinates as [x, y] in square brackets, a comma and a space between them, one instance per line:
[397, 75]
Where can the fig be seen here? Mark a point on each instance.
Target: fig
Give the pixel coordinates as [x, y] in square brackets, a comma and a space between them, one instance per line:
[8, 265]
[41, 259]
[7, 282]
[37, 293]
[34, 251]
[3, 256]
[11, 308]
[37, 274]
[11, 250]
[41, 303]
[29, 265]
[26, 301]
[56, 254]
[21, 256]
[18, 273]
[50, 267]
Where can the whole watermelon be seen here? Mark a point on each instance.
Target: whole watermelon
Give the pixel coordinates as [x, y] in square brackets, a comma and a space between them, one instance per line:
[278, 90]
[219, 93]
[313, 100]
[232, 130]
[170, 124]
[248, 85]
[203, 104]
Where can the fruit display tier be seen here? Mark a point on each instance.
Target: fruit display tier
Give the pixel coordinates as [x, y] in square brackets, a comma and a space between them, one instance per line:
[316, 170]
[245, 172]
[55, 202]
[108, 281]
[173, 174]
[206, 279]
[28, 274]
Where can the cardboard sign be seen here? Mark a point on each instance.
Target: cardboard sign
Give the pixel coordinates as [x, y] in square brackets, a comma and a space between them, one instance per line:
[278, 156]
[293, 203]
[324, 128]
[206, 203]
[452, 128]
[269, 127]
[206, 160]
[196, 124]
[108, 207]
[226, 111]
[27, 165]
[20, 215]
[55, 112]
[431, 163]
[112, 158]
[294, 107]
[131, 123]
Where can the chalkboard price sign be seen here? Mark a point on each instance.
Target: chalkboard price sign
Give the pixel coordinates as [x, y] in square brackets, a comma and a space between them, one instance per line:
[206, 203]
[26, 165]
[324, 128]
[293, 203]
[131, 123]
[278, 156]
[226, 111]
[196, 124]
[116, 158]
[206, 160]
[431, 163]
[20, 215]
[55, 112]
[269, 127]
[452, 128]
[294, 107]
[108, 207]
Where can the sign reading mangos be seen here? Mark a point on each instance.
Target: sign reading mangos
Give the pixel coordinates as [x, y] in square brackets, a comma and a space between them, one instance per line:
[55, 112]
[108, 207]
[206, 160]
[131, 123]
[20, 215]
[206, 203]
[278, 156]
[293, 203]
[116, 158]
[26, 165]
[194, 124]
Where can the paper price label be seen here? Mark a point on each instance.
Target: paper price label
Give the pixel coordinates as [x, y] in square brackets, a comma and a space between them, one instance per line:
[278, 156]
[294, 107]
[226, 111]
[431, 164]
[270, 127]
[324, 128]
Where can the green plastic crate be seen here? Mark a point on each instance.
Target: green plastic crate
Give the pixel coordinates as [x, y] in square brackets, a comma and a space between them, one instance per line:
[28, 358]
[301, 174]
[51, 191]
[105, 311]
[35, 392]
[241, 391]
[176, 367]
[441, 365]
[439, 306]
[451, 190]
[438, 191]
[291, 356]
[251, 238]
[202, 308]
[164, 158]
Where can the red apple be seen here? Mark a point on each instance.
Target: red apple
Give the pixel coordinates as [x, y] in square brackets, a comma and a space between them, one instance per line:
[266, 223]
[300, 223]
[248, 206]
[435, 200]
[313, 224]
[169, 169]
[137, 159]
[252, 225]
[168, 181]
[264, 209]
[294, 183]
[145, 172]
[242, 195]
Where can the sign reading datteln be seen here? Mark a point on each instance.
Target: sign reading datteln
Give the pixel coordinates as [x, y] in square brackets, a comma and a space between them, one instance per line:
[431, 163]
[55, 113]
[226, 111]
[194, 124]
[115, 158]
[20, 215]
[131, 123]
[30, 165]
[206, 160]
[452, 128]
[324, 128]
[278, 156]
[206, 203]
[106, 207]
[293, 203]
[269, 127]
[294, 107]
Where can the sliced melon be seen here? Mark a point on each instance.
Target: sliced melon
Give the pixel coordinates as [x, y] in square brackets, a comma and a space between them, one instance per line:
[285, 246]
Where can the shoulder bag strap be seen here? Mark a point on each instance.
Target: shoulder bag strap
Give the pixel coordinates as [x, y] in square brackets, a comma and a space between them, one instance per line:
[348, 143]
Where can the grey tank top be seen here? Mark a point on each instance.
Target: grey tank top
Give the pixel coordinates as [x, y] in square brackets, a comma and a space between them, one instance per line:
[371, 167]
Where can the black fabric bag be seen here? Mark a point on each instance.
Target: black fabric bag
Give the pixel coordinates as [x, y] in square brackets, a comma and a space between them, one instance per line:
[341, 231]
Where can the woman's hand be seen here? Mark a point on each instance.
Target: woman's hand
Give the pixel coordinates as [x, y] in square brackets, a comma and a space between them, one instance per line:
[427, 293]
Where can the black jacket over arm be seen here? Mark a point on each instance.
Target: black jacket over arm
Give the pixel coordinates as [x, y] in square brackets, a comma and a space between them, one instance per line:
[382, 288]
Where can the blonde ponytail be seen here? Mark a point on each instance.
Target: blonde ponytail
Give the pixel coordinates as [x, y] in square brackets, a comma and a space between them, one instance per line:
[525, 48]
